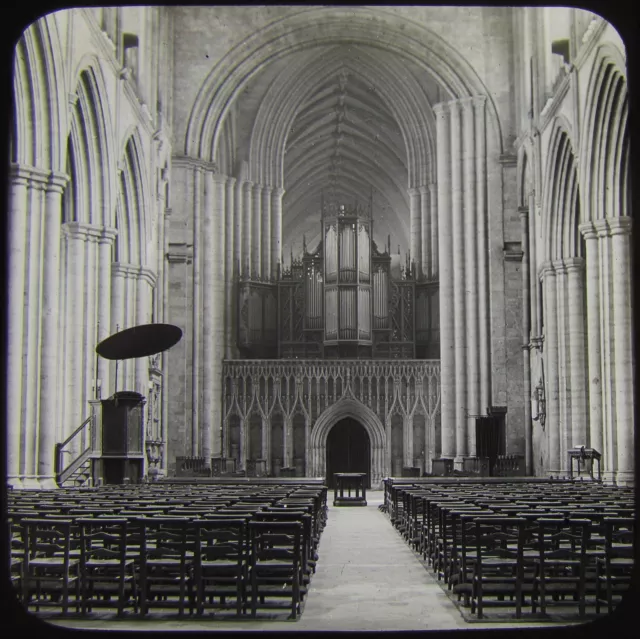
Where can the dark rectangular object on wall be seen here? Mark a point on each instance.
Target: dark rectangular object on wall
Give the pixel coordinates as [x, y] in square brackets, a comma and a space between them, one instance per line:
[442, 467]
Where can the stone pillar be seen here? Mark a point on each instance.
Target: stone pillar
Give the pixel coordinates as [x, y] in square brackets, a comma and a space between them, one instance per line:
[76, 236]
[267, 232]
[256, 232]
[551, 373]
[196, 306]
[484, 318]
[18, 252]
[213, 314]
[276, 227]
[247, 230]
[433, 216]
[105, 252]
[577, 349]
[459, 314]
[593, 335]
[534, 325]
[564, 374]
[425, 232]
[469, 257]
[526, 339]
[607, 375]
[416, 228]
[238, 219]
[445, 247]
[620, 229]
[145, 285]
[229, 299]
[49, 365]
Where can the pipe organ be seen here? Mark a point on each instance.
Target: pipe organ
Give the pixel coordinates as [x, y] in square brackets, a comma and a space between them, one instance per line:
[342, 299]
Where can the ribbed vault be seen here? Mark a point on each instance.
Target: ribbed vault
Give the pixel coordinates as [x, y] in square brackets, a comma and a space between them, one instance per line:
[349, 123]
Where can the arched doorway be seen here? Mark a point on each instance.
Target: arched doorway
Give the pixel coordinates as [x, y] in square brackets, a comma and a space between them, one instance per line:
[348, 450]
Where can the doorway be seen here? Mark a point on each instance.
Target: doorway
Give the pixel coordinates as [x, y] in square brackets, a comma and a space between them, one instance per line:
[348, 450]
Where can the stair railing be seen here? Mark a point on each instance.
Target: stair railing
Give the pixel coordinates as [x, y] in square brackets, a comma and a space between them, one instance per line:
[64, 472]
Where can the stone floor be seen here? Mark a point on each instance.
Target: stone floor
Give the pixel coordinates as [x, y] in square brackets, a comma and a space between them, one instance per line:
[367, 579]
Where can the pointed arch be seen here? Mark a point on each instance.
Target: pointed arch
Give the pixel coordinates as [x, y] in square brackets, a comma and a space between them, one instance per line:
[561, 204]
[604, 157]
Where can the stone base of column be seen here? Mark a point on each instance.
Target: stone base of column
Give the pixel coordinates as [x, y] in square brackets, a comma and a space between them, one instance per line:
[554, 474]
[458, 463]
[30, 483]
[625, 478]
[14, 482]
[608, 477]
[48, 483]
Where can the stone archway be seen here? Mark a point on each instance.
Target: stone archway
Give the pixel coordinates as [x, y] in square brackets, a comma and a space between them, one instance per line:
[363, 414]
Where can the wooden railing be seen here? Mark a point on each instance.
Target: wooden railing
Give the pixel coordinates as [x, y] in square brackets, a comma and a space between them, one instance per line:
[64, 472]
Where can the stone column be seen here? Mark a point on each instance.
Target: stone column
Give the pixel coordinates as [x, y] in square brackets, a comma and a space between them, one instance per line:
[471, 274]
[425, 232]
[238, 220]
[445, 244]
[229, 298]
[18, 252]
[145, 285]
[416, 228]
[76, 236]
[459, 314]
[620, 229]
[433, 216]
[196, 306]
[276, 226]
[564, 374]
[247, 230]
[593, 334]
[105, 252]
[267, 232]
[551, 373]
[526, 339]
[213, 314]
[484, 318]
[256, 231]
[534, 325]
[607, 375]
[49, 365]
[577, 350]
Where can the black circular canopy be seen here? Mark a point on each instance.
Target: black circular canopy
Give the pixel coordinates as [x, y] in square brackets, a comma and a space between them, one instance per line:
[139, 341]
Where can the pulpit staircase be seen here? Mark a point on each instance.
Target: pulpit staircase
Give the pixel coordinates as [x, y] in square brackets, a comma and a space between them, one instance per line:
[77, 471]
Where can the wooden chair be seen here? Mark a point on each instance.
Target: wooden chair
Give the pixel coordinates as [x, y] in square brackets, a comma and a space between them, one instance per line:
[499, 564]
[562, 546]
[166, 561]
[49, 573]
[276, 564]
[614, 569]
[104, 566]
[220, 564]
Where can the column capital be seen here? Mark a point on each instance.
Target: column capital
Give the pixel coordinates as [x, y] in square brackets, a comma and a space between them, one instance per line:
[602, 227]
[77, 230]
[588, 230]
[560, 267]
[278, 191]
[122, 269]
[467, 103]
[574, 264]
[424, 189]
[107, 235]
[39, 178]
[267, 190]
[413, 192]
[455, 106]
[479, 101]
[619, 225]
[441, 110]
[57, 181]
[147, 275]
[547, 269]
[217, 178]
[248, 185]
[231, 181]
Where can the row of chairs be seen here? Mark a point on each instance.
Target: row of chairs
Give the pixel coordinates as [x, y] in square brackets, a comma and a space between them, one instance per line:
[567, 542]
[219, 556]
